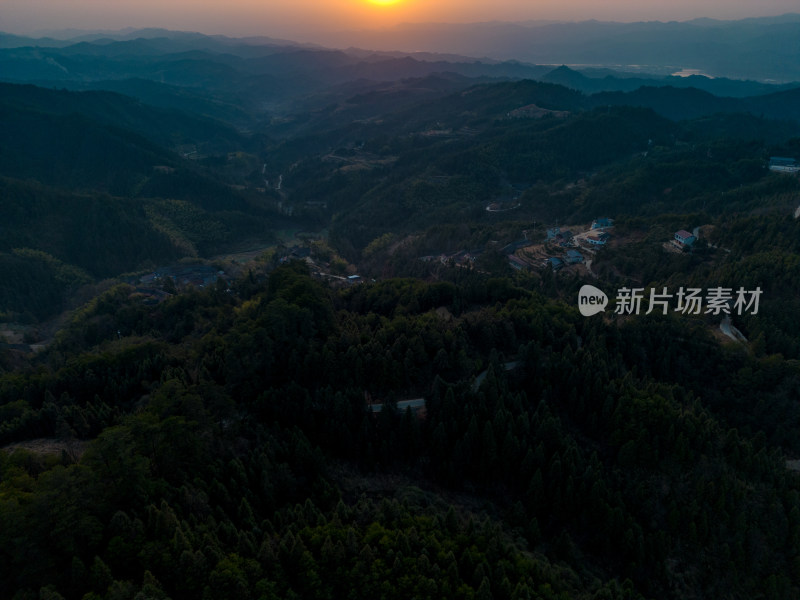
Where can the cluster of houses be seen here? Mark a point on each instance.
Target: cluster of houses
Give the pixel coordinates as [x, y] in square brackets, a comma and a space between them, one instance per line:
[295, 253]
[602, 223]
[188, 275]
[782, 164]
[561, 238]
[149, 287]
[303, 253]
[462, 258]
[566, 239]
[572, 257]
[598, 235]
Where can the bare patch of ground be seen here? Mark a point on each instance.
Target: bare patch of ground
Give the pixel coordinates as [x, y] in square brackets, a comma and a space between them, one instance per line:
[11, 336]
[535, 255]
[583, 269]
[629, 238]
[444, 313]
[73, 448]
[670, 247]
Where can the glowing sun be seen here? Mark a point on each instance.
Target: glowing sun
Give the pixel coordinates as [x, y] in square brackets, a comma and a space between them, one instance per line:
[383, 2]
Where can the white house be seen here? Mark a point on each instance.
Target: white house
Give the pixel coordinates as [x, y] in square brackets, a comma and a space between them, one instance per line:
[783, 164]
[685, 238]
[598, 239]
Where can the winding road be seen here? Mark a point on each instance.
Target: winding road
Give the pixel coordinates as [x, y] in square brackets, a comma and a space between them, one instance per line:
[728, 329]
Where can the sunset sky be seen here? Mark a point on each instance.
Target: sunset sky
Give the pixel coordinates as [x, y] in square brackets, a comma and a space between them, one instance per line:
[304, 19]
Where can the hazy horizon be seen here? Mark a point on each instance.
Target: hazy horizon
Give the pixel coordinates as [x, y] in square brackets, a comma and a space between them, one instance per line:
[315, 21]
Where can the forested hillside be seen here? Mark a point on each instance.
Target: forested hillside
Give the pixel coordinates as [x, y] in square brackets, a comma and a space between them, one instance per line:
[233, 452]
[99, 184]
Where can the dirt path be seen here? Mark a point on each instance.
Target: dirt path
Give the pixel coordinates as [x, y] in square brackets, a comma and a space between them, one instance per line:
[588, 264]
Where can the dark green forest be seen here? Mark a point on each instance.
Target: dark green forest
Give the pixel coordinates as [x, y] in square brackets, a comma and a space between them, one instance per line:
[227, 450]
[444, 424]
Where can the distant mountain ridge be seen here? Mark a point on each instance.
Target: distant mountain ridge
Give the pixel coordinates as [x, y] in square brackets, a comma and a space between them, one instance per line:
[762, 49]
[243, 81]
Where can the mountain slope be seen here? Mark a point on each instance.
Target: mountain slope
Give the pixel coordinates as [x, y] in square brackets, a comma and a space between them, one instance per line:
[690, 103]
[167, 127]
